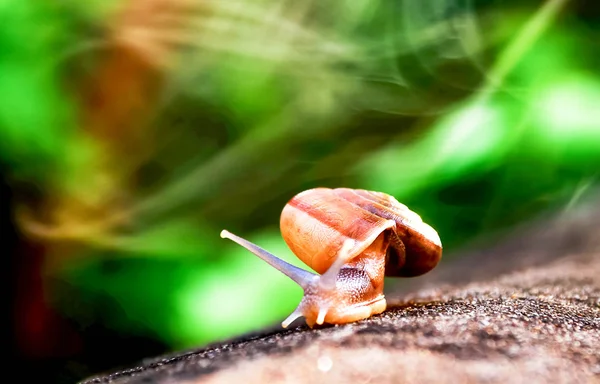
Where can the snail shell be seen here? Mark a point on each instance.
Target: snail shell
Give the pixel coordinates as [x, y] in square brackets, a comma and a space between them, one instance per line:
[352, 238]
[316, 222]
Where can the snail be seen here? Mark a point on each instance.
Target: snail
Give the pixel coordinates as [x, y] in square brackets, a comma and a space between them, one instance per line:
[352, 238]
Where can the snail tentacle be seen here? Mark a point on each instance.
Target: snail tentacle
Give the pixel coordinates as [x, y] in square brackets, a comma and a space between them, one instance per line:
[300, 276]
[292, 317]
[321, 315]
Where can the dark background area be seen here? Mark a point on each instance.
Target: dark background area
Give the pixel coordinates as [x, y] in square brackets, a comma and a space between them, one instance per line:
[45, 345]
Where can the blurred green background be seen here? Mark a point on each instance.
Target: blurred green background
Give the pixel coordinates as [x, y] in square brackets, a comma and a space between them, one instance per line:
[132, 132]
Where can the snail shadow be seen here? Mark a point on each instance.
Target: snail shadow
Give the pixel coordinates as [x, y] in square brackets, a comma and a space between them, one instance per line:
[398, 306]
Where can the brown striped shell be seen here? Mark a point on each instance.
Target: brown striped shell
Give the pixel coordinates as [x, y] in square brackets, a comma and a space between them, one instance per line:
[315, 223]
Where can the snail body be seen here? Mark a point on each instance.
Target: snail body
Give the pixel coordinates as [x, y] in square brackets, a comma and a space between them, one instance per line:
[352, 238]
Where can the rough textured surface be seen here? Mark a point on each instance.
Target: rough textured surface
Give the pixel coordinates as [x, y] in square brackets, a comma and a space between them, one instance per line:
[524, 311]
